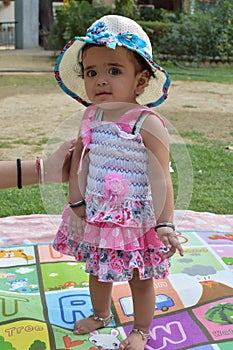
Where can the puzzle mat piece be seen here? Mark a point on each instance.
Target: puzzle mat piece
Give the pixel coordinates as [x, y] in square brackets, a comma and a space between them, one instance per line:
[20, 255]
[108, 338]
[16, 305]
[216, 317]
[24, 335]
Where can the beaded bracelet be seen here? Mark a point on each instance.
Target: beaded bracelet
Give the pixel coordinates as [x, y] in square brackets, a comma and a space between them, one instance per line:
[42, 181]
[77, 204]
[19, 173]
[40, 170]
[165, 224]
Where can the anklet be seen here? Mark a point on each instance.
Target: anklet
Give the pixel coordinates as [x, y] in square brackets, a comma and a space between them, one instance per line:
[138, 331]
[105, 320]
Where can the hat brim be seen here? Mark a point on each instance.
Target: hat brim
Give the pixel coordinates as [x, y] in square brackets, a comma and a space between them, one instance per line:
[68, 74]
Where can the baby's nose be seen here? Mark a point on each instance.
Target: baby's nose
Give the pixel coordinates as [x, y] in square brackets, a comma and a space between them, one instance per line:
[102, 81]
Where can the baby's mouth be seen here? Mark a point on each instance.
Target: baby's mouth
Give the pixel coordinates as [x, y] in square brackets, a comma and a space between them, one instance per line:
[103, 93]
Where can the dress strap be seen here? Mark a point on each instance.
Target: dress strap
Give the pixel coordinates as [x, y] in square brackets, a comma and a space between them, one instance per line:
[144, 114]
[99, 114]
[137, 126]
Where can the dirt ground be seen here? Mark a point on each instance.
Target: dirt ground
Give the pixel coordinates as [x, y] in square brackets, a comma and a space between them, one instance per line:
[30, 116]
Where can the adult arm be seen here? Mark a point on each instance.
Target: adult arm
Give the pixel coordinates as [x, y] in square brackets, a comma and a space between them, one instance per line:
[8, 173]
[56, 169]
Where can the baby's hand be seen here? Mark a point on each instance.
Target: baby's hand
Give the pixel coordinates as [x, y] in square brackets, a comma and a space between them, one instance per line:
[170, 240]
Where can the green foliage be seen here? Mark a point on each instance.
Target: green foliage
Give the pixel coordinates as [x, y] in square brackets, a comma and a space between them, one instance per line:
[186, 39]
[156, 30]
[204, 34]
[161, 15]
[224, 17]
[73, 20]
[126, 8]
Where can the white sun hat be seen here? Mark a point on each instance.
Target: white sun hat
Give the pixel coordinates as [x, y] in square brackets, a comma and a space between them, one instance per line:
[110, 31]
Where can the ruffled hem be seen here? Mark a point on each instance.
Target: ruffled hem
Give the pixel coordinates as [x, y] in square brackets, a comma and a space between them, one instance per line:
[111, 236]
[74, 230]
[122, 226]
[118, 266]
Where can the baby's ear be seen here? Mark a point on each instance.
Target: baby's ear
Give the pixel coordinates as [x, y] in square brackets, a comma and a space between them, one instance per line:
[143, 78]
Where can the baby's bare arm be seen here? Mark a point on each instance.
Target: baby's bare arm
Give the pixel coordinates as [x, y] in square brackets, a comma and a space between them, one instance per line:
[155, 138]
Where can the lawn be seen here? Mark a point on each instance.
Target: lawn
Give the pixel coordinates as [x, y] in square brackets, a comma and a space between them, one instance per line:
[215, 74]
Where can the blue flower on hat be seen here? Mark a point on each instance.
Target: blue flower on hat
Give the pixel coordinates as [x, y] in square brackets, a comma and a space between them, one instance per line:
[98, 33]
[131, 40]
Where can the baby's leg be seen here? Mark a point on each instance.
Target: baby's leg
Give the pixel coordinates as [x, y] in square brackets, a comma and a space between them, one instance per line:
[101, 301]
[144, 306]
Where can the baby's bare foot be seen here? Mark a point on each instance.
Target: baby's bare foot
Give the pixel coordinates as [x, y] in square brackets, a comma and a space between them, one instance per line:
[91, 323]
[135, 341]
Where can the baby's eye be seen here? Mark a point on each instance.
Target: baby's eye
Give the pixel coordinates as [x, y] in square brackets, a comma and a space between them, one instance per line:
[91, 73]
[114, 71]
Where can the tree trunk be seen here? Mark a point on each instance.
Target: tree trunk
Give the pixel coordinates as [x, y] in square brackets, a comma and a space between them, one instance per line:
[177, 5]
[46, 20]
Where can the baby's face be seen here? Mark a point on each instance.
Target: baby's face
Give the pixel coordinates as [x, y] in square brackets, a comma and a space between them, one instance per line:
[110, 75]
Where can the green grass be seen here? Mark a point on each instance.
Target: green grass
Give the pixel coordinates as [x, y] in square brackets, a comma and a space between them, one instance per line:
[5, 144]
[21, 202]
[33, 200]
[217, 74]
[27, 80]
[211, 172]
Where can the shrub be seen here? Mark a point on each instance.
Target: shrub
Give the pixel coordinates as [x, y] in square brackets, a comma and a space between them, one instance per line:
[204, 34]
[126, 8]
[159, 15]
[73, 20]
[223, 17]
[192, 36]
[198, 36]
[156, 31]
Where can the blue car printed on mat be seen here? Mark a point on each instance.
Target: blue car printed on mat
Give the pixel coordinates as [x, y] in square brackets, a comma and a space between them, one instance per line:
[162, 302]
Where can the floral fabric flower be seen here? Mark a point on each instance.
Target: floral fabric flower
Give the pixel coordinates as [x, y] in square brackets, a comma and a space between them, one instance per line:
[116, 186]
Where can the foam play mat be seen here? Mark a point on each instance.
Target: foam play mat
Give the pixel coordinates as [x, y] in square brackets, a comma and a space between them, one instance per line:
[43, 292]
